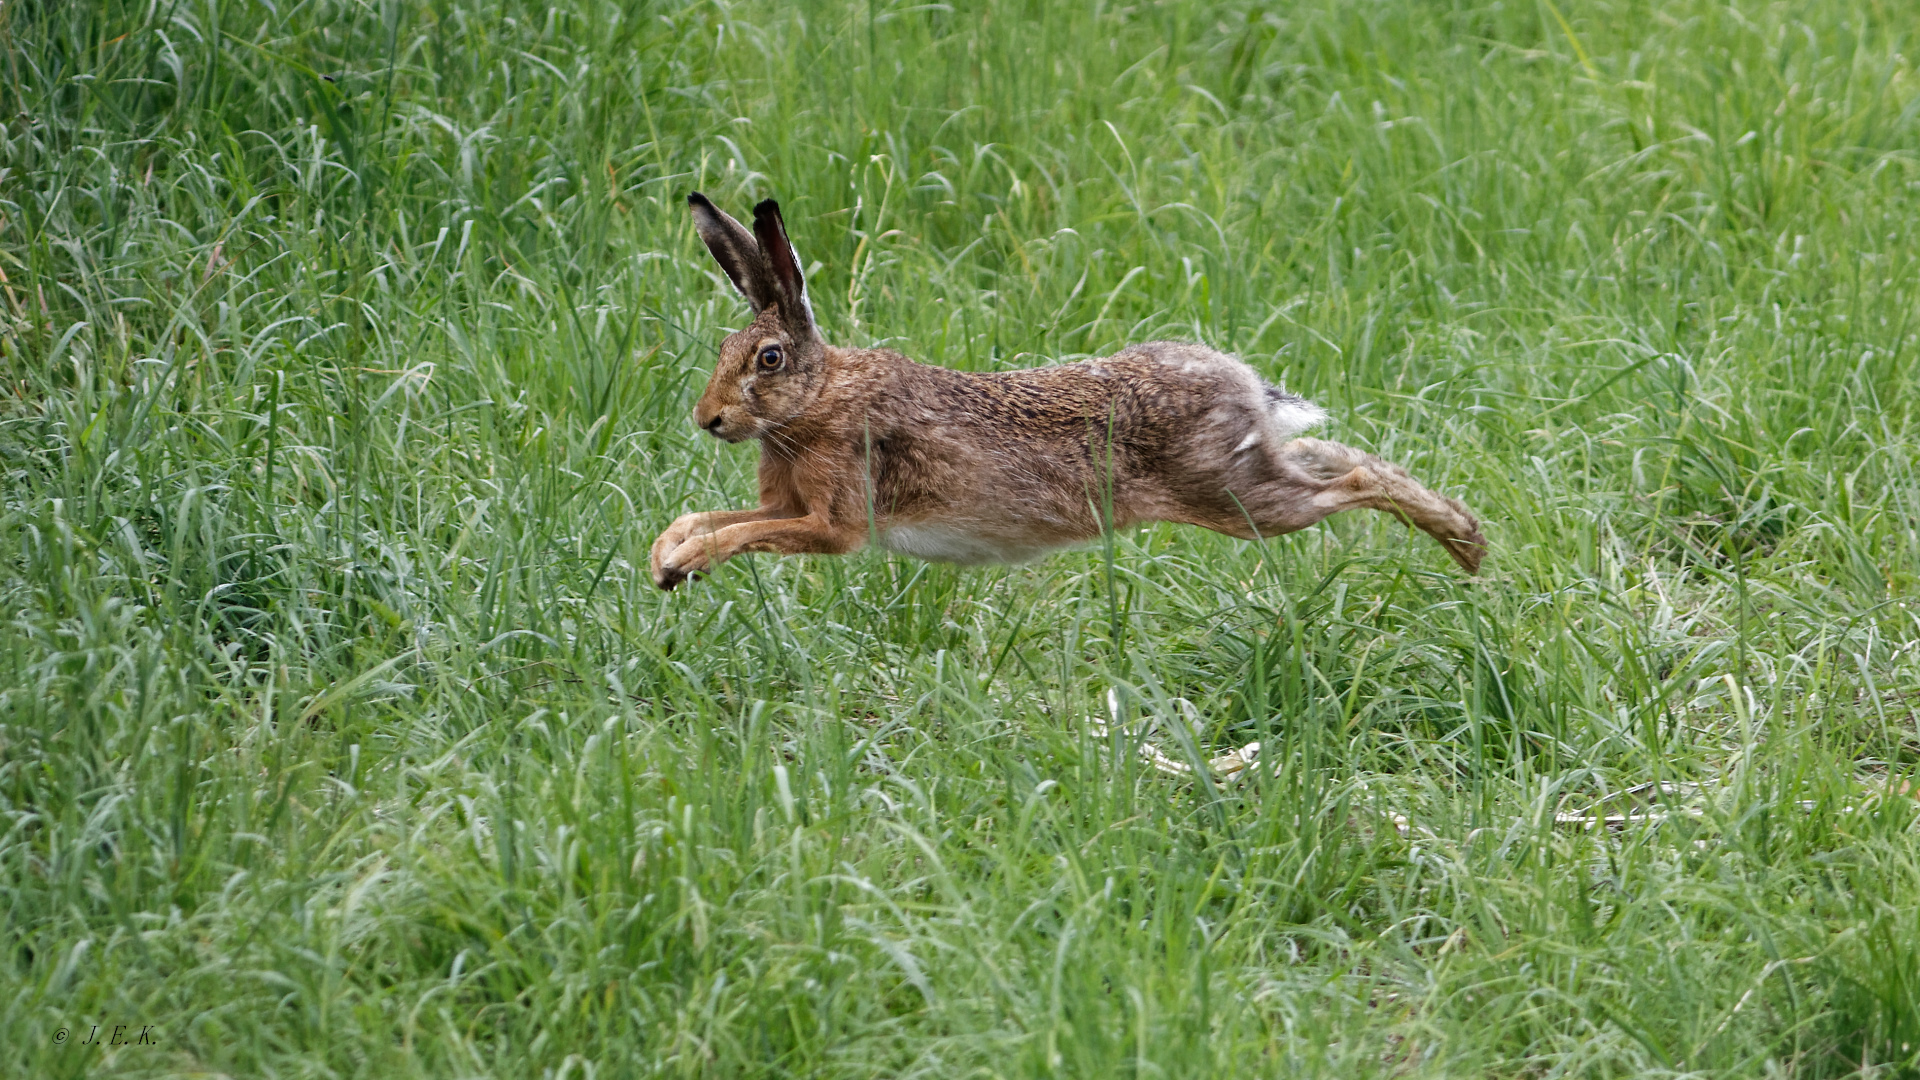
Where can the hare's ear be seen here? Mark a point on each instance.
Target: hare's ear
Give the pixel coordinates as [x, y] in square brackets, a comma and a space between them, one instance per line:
[734, 248]
[784, 264]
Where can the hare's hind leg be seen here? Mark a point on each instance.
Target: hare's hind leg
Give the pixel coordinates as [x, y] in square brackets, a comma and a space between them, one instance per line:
[1320, 478]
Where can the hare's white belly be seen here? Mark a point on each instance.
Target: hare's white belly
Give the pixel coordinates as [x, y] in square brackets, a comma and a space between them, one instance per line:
[944, 543]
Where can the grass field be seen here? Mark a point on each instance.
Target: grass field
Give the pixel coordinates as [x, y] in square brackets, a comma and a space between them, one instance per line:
[349, 350]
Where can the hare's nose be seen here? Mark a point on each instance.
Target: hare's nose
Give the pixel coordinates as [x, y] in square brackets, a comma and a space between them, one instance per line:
[713, 425]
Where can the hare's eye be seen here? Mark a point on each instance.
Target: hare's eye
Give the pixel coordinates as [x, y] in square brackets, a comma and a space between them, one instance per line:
[770, 358]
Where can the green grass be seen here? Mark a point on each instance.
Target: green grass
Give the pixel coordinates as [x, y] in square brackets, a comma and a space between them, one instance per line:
[349, 349]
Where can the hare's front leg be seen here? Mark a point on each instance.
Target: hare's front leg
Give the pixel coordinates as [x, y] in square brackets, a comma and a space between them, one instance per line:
[689, 525]
[814, 534]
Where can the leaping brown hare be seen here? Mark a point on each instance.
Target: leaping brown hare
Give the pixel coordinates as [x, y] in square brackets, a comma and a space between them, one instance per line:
[995, 467]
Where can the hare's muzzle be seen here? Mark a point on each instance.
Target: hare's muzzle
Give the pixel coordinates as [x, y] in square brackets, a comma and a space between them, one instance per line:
[710, 419]
[727, 429]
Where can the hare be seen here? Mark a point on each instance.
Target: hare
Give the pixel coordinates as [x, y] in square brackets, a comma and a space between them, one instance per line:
[964, 467]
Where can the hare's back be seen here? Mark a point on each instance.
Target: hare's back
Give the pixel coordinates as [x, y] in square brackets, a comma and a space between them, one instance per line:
[1001, 466]
[1156, 394]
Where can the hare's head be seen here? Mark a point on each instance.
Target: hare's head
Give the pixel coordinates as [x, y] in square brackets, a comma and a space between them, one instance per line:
[771, 371]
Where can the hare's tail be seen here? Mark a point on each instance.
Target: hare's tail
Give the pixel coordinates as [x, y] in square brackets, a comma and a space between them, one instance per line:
[1291, 414]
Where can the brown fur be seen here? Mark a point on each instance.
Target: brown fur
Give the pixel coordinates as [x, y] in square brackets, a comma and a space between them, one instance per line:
[859, 444]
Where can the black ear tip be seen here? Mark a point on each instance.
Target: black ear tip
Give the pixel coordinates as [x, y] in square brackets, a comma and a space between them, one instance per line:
[767, 208]
[694, 198]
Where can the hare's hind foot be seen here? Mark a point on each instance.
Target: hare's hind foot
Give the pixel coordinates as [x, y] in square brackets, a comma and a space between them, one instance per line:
[1321, 478]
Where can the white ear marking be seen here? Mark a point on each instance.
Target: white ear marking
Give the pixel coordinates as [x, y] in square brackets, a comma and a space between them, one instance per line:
[804, 302]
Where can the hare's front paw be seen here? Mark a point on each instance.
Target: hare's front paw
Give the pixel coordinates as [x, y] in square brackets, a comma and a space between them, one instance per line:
[662, 548]
[664, 576]
[676, 534]
[668, 577]
[691, 558]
